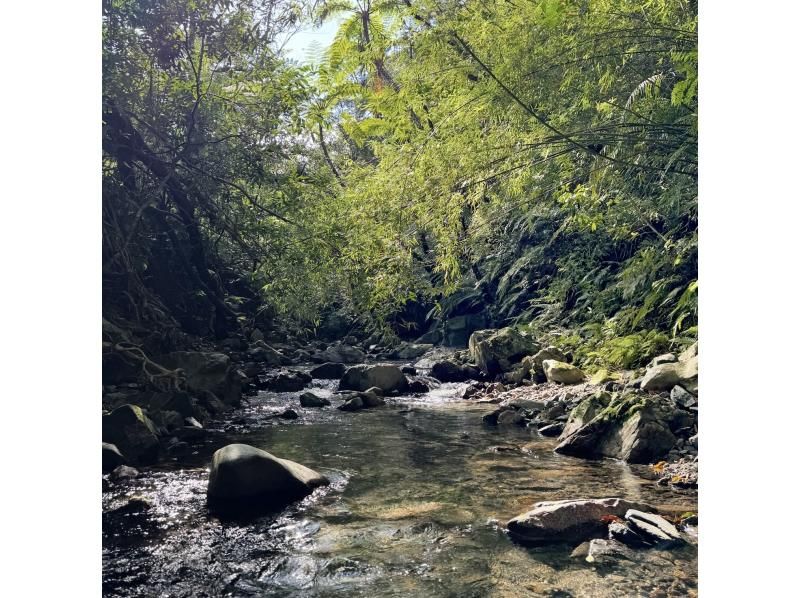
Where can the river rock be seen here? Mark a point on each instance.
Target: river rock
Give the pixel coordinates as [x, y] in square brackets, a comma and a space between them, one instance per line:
[124, 472]
[682, 372]
[654, 528]
[132, 432]
[496, 351]
[510, 417]
[418, 387]
[112, 458]
[341, 354]
[682, 397]
[410, 370]
[551, 429]
[352, 404]
[309, 399]
[450, 371]
[263, 353]
[608, 552]
[207, 371]
[388, 378]
[245, 476]
[411, 350]
[563, 373]
[621, 532]
[287, 382]
[586, 411]
[634, 428]
[329, 371]
[568, 520]
[534, 363]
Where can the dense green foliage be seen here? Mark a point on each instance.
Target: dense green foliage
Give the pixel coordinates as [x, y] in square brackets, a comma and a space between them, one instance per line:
[536, 159]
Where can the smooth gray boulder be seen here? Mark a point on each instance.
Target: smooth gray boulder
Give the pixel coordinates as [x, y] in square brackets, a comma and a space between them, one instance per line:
[562, 373]
[132, 432]
[654, 528]
[568, 520]
[244, 477]
[683, 372]
[388, 378]
[534, 363]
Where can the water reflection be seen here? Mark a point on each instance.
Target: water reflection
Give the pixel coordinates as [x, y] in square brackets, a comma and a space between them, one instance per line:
[419, 489]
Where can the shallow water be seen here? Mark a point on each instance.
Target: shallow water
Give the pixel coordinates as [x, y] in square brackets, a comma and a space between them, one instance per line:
[420, 489]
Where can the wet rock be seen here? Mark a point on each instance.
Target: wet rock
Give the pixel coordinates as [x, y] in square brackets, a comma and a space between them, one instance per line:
[472, 390]
[409, 370]
[653, 528]
[568, 520]
[112, 458]
[621, 532]
[372, 397]
[352, 404]
[510, 417]
[309, 399]
[563, 373]
[551, 429]
[245, 476]
[207, 371]
[124, 472]
[288, 414]
[450, 371]
[179, 402]
[496, 351]
[132, 432]
[608, 552]
[418, 386]
[634, 428]
[178, 448]
[287, 382]
[329, 371]
[388, 378]
[585, 412]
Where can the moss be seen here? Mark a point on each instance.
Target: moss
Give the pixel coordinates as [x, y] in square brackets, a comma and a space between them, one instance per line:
[622, 408]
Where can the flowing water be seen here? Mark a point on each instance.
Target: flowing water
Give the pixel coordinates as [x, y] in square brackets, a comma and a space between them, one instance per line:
[420, 490]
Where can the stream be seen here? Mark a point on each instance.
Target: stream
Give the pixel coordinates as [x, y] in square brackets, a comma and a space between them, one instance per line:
[420, 490]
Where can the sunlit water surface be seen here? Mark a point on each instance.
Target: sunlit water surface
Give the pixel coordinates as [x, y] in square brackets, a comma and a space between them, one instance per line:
[420, 489]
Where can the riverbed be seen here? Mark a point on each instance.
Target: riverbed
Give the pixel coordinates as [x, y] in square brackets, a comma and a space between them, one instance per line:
[420, 489]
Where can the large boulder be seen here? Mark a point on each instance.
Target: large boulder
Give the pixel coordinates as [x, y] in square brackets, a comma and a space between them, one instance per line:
[329, 371]
[533, 364]
[563, 373]
[496, 351]
[132, 432]
[245, 477]
[210, 372]
[286, 382]
[635, 428]
[112, 458]
[586, 411]
[568, 520]
[388, 378]
[683, 372]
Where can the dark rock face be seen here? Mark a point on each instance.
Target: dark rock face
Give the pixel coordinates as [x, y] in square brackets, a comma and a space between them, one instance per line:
[287, 382]
[341, 354]
[568, 520]
[551, 429]
[207, 372]
[329, 371]
[450, 371]
[418, 386]
[132, 432]
[388, 378]
[496, 351]
[245, 477]
[633, 427]
[112, 458]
